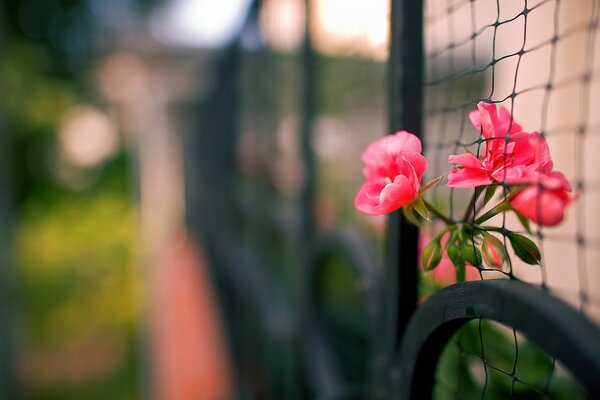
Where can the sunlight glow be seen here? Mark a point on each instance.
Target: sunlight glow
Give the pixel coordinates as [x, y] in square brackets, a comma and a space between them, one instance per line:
[351, 27]
[199, 23]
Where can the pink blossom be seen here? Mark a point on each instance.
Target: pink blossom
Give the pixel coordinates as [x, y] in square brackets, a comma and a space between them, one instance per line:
[545, 202]
[511, 156]
[487, 120]
[394, 167]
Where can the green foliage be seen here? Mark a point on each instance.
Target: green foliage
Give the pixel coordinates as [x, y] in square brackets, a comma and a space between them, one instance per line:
[37, 99]
[343, 310]
[76, 267]
[524, 248]
[490, 191]
[75, 263]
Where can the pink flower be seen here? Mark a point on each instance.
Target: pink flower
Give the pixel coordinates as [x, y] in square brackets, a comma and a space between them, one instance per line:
[545, 202]
[394, 167]
[511, 156]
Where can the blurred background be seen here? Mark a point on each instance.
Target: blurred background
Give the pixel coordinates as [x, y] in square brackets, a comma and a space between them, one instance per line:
[109, 113]
[166, 167]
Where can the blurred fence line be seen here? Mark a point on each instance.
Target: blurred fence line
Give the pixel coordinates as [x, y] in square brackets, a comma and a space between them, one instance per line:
[309, 311]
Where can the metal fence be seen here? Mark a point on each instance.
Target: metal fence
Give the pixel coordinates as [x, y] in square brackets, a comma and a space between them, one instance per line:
[310, 310]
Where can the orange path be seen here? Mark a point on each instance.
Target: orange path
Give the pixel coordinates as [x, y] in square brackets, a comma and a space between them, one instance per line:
[190, 361]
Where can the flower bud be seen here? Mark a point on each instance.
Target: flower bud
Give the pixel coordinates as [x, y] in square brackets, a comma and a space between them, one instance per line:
[545, 202]
[493, 251]
[432, 255]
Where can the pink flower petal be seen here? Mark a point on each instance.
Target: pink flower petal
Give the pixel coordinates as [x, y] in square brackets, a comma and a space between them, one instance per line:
[505, 121]
[397, 194]
[514, 175]
[545, 202]
[382, 149]
[543, 207]
[418, 162]
[368, 197]
[475, 117]
[556, 180]
[468, 178]
[467, 160]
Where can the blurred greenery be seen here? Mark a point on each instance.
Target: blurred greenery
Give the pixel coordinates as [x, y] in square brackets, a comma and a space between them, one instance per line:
[75, 265]
[345, 319]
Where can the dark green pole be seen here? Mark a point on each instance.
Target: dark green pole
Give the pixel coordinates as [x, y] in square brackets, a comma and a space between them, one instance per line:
[306, 240]
[405, 113]
[8, 371]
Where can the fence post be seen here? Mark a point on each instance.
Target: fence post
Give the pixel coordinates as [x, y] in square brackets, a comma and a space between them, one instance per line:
[405, 69]
[8, 353]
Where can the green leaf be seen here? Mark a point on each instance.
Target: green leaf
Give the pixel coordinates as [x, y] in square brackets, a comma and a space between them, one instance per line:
[432, 255]
[525, 249]
[524, 221]
[421, 208]
[490, 191]
[425, 187]
[500, 207]
[410, 217]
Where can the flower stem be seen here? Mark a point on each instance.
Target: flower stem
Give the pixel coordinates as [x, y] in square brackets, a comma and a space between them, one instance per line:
[438, 214]
[471, 205]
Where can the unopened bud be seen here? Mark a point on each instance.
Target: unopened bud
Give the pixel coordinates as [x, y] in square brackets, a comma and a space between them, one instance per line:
[493, 251]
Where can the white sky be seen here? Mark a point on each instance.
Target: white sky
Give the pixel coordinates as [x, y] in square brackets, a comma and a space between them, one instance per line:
[202, 23]
[342, 26]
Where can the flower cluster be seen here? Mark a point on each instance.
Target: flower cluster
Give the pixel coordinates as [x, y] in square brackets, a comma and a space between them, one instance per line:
[513, 157]
[519, 162]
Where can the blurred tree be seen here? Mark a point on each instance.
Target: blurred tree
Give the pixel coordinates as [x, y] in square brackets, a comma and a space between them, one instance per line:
[8, 378]
[66, 229]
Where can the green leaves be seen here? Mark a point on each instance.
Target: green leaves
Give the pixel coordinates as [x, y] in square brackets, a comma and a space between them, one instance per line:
[490, 191]
[500, 207]
[421, 208]
[472, 243]
[462, 250]
[524, 221]
[410, 216]
[524, 248]
[425, 187]
[425, 210]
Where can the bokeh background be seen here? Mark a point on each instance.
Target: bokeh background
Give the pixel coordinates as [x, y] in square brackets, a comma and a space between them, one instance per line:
[104, 292]
[166, 165]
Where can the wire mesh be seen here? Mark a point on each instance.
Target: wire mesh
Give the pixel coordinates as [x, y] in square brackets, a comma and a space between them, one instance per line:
[537, 59]
[487, 360]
